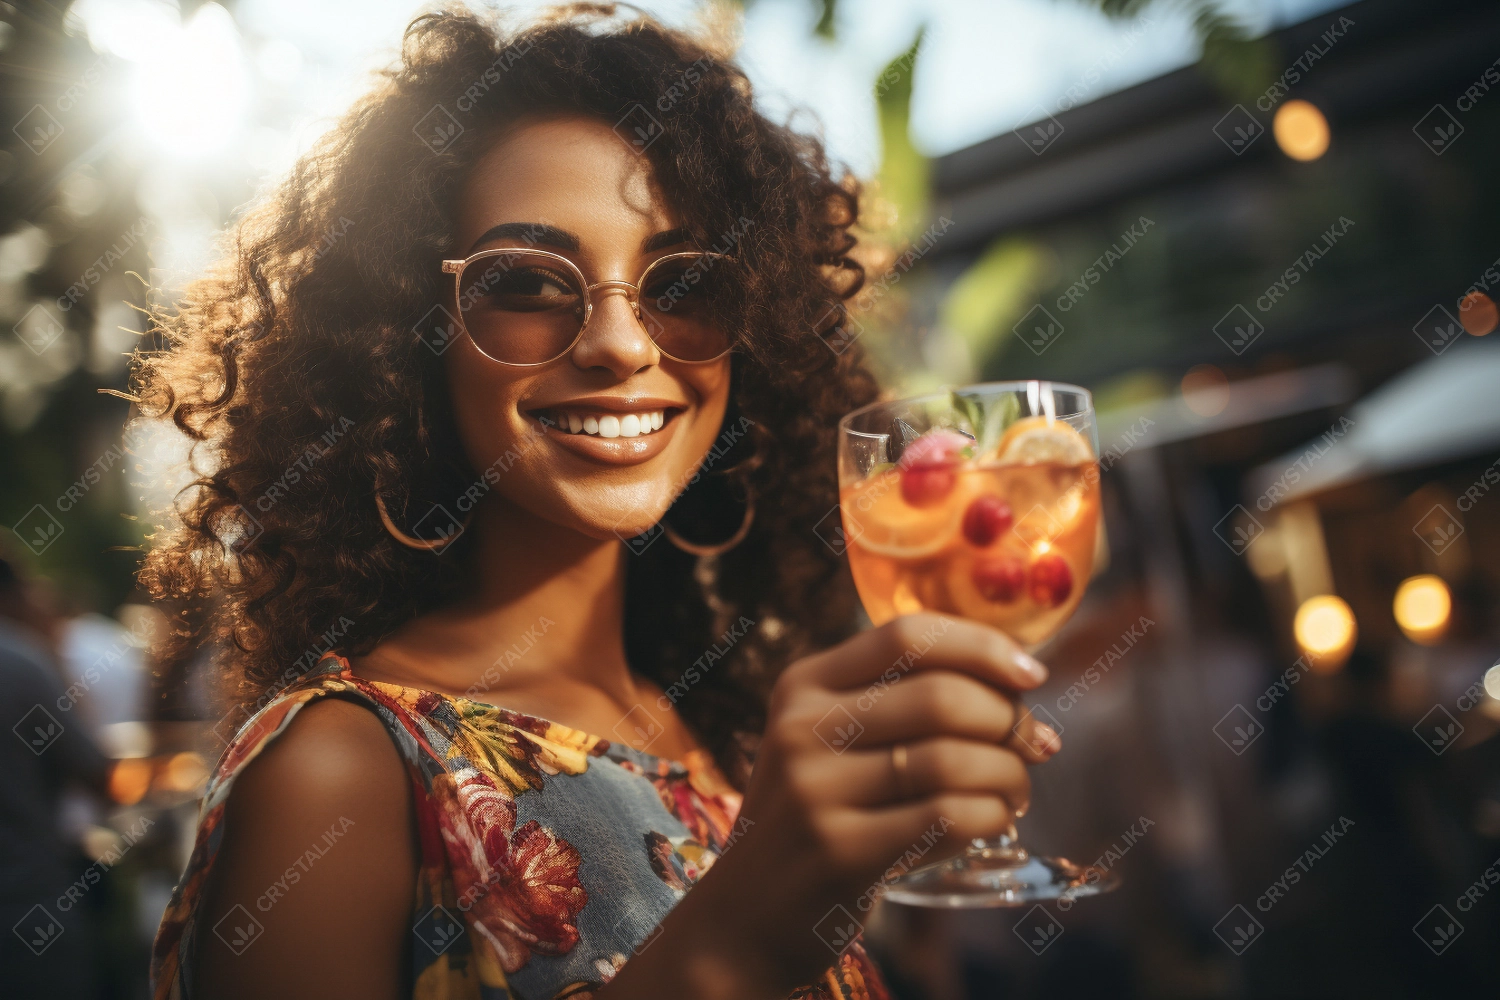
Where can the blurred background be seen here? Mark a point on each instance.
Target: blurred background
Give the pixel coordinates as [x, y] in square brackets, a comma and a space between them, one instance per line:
[1258, 230]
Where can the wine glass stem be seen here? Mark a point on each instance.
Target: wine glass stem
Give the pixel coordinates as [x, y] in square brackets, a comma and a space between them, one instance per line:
[1005, 848]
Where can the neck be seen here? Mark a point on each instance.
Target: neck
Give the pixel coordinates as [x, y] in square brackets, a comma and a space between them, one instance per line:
[546, 603]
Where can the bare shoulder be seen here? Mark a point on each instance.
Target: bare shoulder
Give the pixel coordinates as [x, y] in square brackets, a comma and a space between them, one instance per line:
[317, 868]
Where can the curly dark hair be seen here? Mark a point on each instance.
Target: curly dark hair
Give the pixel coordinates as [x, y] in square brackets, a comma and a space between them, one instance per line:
[294, 367]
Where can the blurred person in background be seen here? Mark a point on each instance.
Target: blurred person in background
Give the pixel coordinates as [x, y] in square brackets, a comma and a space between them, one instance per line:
[447, 439]
[51, 953]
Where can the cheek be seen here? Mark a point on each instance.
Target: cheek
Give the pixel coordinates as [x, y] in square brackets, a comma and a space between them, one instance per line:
[484, 404]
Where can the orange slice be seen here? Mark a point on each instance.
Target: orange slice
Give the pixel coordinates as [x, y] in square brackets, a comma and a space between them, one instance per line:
[885, 524]
[1037, 440]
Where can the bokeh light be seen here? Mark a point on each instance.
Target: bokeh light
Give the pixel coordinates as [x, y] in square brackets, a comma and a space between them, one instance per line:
[192, 96]
[1477, 313]
[1301, 130]
[185, 772]
[1492, 682]
[1205, 390]
[1422, 608]
[129, 780]
[1325, 631]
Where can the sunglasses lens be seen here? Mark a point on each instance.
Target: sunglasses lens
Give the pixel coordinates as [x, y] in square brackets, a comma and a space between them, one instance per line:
[677, 297]
[520, 308]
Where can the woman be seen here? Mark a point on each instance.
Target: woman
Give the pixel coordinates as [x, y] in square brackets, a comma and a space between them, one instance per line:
[517, 407]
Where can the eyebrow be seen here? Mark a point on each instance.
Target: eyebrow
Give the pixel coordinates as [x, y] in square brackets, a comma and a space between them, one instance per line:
[536, 232]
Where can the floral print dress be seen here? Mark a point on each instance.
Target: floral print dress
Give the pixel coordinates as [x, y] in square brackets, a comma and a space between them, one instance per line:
[548, 856]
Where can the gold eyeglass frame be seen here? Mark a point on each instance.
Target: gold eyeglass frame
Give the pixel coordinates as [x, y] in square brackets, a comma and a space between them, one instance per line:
[631, 291]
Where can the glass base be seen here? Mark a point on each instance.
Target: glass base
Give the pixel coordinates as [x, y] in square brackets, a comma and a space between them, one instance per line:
[998, 873]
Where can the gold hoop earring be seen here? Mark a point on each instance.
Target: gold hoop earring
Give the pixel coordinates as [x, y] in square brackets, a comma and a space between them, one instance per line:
[712, 550]
[411, 542]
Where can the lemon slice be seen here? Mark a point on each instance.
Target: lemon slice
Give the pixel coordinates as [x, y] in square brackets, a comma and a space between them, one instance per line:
[885, 524]
[1037, 440]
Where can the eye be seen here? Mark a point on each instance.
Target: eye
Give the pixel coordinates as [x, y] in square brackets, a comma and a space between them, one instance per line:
[529, 289]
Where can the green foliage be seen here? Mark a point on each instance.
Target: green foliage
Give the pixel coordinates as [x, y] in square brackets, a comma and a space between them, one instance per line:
[905, 174]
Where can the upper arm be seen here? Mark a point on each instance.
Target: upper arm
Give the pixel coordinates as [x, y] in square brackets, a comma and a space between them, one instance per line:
[319, 851]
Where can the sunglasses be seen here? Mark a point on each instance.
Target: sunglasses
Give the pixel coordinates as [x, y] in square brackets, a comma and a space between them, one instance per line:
[527, 307]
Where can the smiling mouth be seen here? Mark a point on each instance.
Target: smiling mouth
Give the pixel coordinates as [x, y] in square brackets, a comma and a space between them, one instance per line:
[605, 424]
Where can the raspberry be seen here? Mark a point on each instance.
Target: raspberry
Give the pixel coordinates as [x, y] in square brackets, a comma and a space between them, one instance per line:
[1051, 580]
[987, 518]
[1000, 580]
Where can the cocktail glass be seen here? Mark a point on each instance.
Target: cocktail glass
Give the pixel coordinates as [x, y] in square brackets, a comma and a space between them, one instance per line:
[982, 502]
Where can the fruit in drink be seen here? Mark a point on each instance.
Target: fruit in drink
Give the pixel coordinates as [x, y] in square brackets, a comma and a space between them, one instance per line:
[1051, 580]
[987, 518]
[929, 467]
[1002, 579]
[1007, 542]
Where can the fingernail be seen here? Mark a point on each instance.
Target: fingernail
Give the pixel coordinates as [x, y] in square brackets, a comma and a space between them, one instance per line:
[1032, 666]
[1022, 811]
[1047, 738]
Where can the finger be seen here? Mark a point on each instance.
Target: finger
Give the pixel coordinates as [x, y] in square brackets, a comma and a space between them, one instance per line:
[923, 642]
[1032, 739]
[872, 778]
[933, 703]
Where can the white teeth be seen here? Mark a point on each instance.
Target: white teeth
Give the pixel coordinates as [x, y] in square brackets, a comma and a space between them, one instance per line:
[609, 425]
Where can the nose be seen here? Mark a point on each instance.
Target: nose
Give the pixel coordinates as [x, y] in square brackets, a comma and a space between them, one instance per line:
[615, 338]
